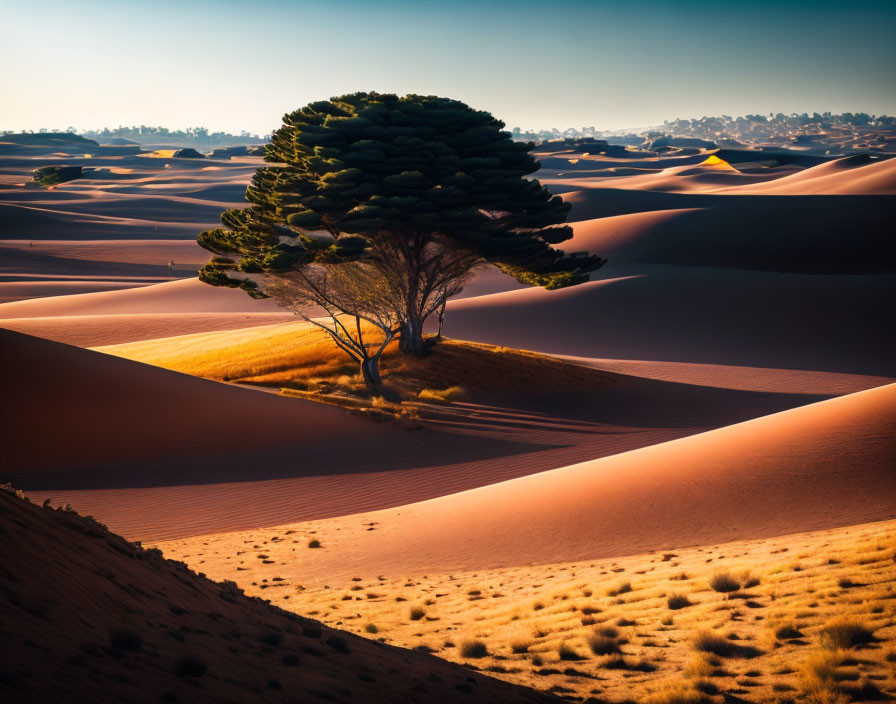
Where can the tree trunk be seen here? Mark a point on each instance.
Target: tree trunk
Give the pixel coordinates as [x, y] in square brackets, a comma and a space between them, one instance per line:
[370, 370]
[411, 340]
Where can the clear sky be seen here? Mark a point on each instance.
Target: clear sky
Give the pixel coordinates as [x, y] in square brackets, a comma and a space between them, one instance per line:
[232, 65]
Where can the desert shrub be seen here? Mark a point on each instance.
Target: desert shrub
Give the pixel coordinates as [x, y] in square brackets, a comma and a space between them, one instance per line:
[125, 639]
[190, 666]
[452, 393]
[724, 583]
[314, 543]
[677, 601]
[707, 642]
[623, 588]
[417, 612]
[566, 652]
[845, 633]
[371, 628]
[603, 644]
[473, 649]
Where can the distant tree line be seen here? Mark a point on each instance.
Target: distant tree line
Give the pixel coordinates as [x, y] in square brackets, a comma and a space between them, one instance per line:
[192, 135]
[720, 125]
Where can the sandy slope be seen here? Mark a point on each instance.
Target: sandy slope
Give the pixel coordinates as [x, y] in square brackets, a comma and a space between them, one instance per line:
[853, 175]
[820, 466]
[697, 315]
[107, 422]
[98, 330]
[121, 439]
[763, 379]
[126, 619]
[182, 296]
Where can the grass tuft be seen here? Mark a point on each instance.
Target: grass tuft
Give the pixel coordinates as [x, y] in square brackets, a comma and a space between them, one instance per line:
[473, 649]
[843, 633]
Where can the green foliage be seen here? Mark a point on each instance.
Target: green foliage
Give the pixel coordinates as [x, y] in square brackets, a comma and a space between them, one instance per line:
[53, 175]
[380, 178]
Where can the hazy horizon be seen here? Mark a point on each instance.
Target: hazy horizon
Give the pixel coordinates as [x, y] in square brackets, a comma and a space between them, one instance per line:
[611, 65]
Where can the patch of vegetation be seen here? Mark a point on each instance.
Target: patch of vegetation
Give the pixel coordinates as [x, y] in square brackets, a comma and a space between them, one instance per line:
[473, 649]
[678, 601]
[724, 583]
[452, 393]
[603, 644]
[49, 176]
[845, 633]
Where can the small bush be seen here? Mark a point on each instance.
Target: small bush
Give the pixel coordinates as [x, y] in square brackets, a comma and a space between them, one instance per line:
[677, 601]
[603, 645]
[417, 612]
[473, 649]
[190, 666]
[845, 633]
[314, 543]
[371, 628]
[724, 583]
[707, 642]
[623, 588]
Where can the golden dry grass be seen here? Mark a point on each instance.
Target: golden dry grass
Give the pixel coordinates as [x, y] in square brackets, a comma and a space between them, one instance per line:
[302, 359]
[605, 630]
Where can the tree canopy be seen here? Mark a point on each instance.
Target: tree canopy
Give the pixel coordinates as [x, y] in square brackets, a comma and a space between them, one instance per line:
[420, 189]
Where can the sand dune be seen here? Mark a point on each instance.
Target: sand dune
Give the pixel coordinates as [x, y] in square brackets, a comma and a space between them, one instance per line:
[131, 626]
[121, 440]
[183, 296]
[697, 315]
[733, 232]
[26, 290]
[99, 330]
[852, 175]
[763, 379]
[109, 422]
[820, 466]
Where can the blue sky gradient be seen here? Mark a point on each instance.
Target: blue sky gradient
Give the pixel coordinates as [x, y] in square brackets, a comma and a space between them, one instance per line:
[232, 65]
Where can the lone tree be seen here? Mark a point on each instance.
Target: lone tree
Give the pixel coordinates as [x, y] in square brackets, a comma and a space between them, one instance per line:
[379, 208]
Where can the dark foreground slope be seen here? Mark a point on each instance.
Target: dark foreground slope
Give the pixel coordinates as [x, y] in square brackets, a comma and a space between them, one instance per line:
[87, 617]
